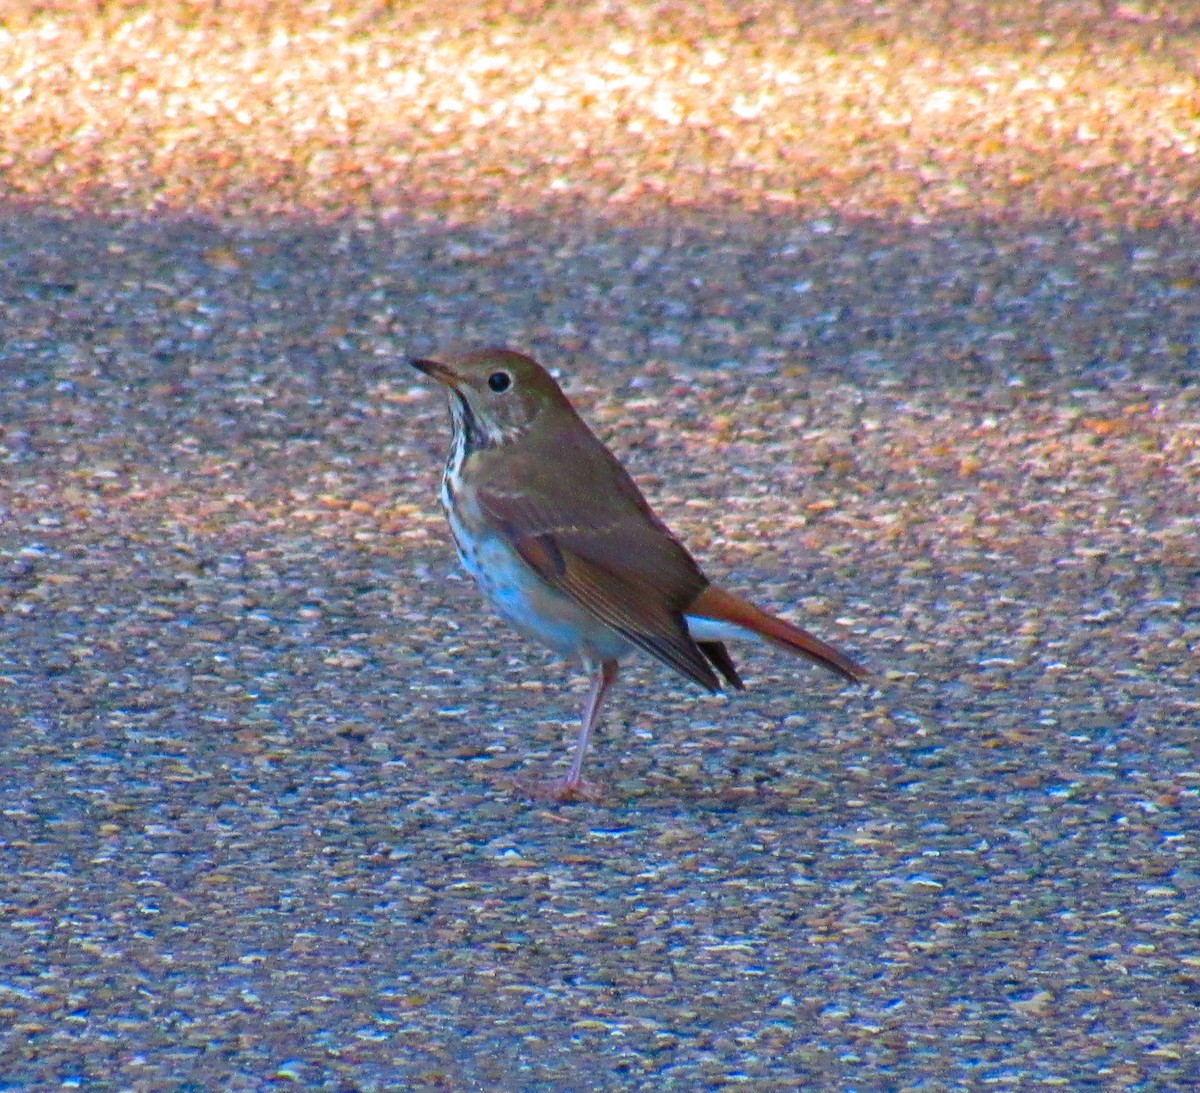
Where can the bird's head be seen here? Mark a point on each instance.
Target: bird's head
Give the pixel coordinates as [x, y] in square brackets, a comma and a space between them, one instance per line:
[496, 395]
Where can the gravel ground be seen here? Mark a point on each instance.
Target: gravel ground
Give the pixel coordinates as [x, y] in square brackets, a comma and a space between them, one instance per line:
[896, 317]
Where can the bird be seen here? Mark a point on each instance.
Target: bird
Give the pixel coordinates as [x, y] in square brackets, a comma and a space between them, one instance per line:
[563, 544]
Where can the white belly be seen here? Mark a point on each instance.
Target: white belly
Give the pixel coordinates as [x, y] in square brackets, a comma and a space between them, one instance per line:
[536, 609]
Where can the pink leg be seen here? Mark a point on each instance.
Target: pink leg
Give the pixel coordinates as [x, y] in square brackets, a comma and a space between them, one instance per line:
[605, 677]
[574, 786]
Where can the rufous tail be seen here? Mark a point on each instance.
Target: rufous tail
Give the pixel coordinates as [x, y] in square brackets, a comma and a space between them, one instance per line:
[721, 606]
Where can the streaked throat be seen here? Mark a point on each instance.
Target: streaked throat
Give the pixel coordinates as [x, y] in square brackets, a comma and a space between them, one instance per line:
[470, 433]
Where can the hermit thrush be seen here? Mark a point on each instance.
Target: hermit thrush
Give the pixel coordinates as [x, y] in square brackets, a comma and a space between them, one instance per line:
[566, 548]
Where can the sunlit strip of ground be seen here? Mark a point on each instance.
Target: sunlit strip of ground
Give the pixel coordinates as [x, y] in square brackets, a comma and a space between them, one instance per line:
[284, 109]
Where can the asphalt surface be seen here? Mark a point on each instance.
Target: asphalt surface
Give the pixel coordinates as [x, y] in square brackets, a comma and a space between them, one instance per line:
[264, 758]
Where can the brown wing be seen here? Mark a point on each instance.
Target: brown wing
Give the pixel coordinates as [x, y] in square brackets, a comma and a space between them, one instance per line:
[601, 544]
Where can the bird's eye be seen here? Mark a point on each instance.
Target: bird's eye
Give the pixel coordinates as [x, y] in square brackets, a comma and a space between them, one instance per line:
[499, 381]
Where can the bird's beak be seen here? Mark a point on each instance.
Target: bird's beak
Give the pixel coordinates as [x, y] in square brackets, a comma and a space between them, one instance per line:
[436, 370]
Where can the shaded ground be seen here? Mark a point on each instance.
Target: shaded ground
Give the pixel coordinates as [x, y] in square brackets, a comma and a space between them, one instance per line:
[259, 744]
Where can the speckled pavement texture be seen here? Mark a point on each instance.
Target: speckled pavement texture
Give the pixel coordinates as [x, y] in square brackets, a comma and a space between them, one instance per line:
[894, 312]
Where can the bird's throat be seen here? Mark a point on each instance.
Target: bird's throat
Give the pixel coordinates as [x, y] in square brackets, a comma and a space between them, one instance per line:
[469, 433]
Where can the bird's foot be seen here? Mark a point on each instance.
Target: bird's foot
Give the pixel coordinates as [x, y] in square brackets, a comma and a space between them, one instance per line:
[566, 790]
